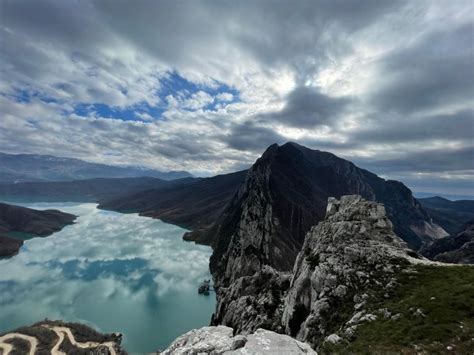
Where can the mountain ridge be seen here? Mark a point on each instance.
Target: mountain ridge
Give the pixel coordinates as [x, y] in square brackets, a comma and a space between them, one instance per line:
[36, 167]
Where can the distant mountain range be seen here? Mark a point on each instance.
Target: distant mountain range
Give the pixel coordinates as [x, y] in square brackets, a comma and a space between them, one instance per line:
[31, 167]
[89, 190]
[451, 215]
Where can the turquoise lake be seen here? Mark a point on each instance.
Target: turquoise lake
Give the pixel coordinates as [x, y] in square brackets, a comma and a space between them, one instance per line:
[116, 272]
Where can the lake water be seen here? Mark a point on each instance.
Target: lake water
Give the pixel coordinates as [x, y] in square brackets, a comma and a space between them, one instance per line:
[116, 272]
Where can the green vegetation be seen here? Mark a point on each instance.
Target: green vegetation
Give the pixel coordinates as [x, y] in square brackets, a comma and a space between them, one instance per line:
[436, 307]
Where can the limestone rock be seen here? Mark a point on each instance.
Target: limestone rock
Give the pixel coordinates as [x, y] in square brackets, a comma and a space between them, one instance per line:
[219, 340]
[344, 259]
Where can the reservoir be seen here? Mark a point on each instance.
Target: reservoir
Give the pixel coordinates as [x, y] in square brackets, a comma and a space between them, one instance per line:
[115, 272]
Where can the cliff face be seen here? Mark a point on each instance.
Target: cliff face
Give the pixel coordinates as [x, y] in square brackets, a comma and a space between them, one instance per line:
[345, 259]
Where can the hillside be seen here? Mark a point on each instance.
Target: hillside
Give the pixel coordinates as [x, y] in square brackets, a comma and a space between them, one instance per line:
[451, 215]
[195, 204]
[30, 222]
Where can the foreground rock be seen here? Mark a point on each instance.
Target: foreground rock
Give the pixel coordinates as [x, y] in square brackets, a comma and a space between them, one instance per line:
[29, 221]
[220, 340]
[57, 337]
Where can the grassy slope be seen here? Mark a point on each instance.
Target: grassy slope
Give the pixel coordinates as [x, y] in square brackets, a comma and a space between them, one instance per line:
[445, 295]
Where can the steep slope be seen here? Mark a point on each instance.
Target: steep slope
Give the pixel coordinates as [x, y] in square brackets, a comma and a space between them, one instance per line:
[285, 193]
[90, 190]
[457, 248]
[195, 204]
[29, 221]
[451, 215]
[33, 167]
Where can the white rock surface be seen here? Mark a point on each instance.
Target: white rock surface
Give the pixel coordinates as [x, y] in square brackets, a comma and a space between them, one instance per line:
[219, 340]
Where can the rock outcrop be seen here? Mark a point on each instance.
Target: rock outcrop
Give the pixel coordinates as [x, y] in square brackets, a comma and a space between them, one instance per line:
[345, 260]
[220, 340]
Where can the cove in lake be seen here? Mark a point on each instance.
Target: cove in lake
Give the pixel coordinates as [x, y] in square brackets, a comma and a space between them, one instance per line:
[116, 272]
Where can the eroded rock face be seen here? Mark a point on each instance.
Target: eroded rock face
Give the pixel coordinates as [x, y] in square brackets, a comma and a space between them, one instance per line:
[220, 340]
[345, 259]
[252, 302]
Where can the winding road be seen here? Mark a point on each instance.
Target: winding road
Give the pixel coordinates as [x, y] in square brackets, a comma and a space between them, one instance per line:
[61, 332]
[7, 348]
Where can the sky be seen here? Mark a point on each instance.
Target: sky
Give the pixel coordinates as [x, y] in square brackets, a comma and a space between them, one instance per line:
[206, 86]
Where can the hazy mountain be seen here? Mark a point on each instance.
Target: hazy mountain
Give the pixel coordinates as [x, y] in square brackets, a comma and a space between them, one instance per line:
[89, 190]
[451, 215]
[32, 167]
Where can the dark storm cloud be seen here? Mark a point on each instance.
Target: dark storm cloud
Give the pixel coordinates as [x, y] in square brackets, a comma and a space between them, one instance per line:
[307, 107]
[274, 32]
[248, 136]
[437, 70]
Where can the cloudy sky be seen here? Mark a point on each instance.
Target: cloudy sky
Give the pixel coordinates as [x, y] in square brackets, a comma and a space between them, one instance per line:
[205, 86]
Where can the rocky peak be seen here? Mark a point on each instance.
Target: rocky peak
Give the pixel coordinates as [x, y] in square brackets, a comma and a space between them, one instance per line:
[284, 194]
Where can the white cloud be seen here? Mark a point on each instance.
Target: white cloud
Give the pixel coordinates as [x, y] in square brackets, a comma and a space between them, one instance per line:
[225, 96]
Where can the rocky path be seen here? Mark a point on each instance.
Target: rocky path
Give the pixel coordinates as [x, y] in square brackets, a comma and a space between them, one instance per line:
[6, 348]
